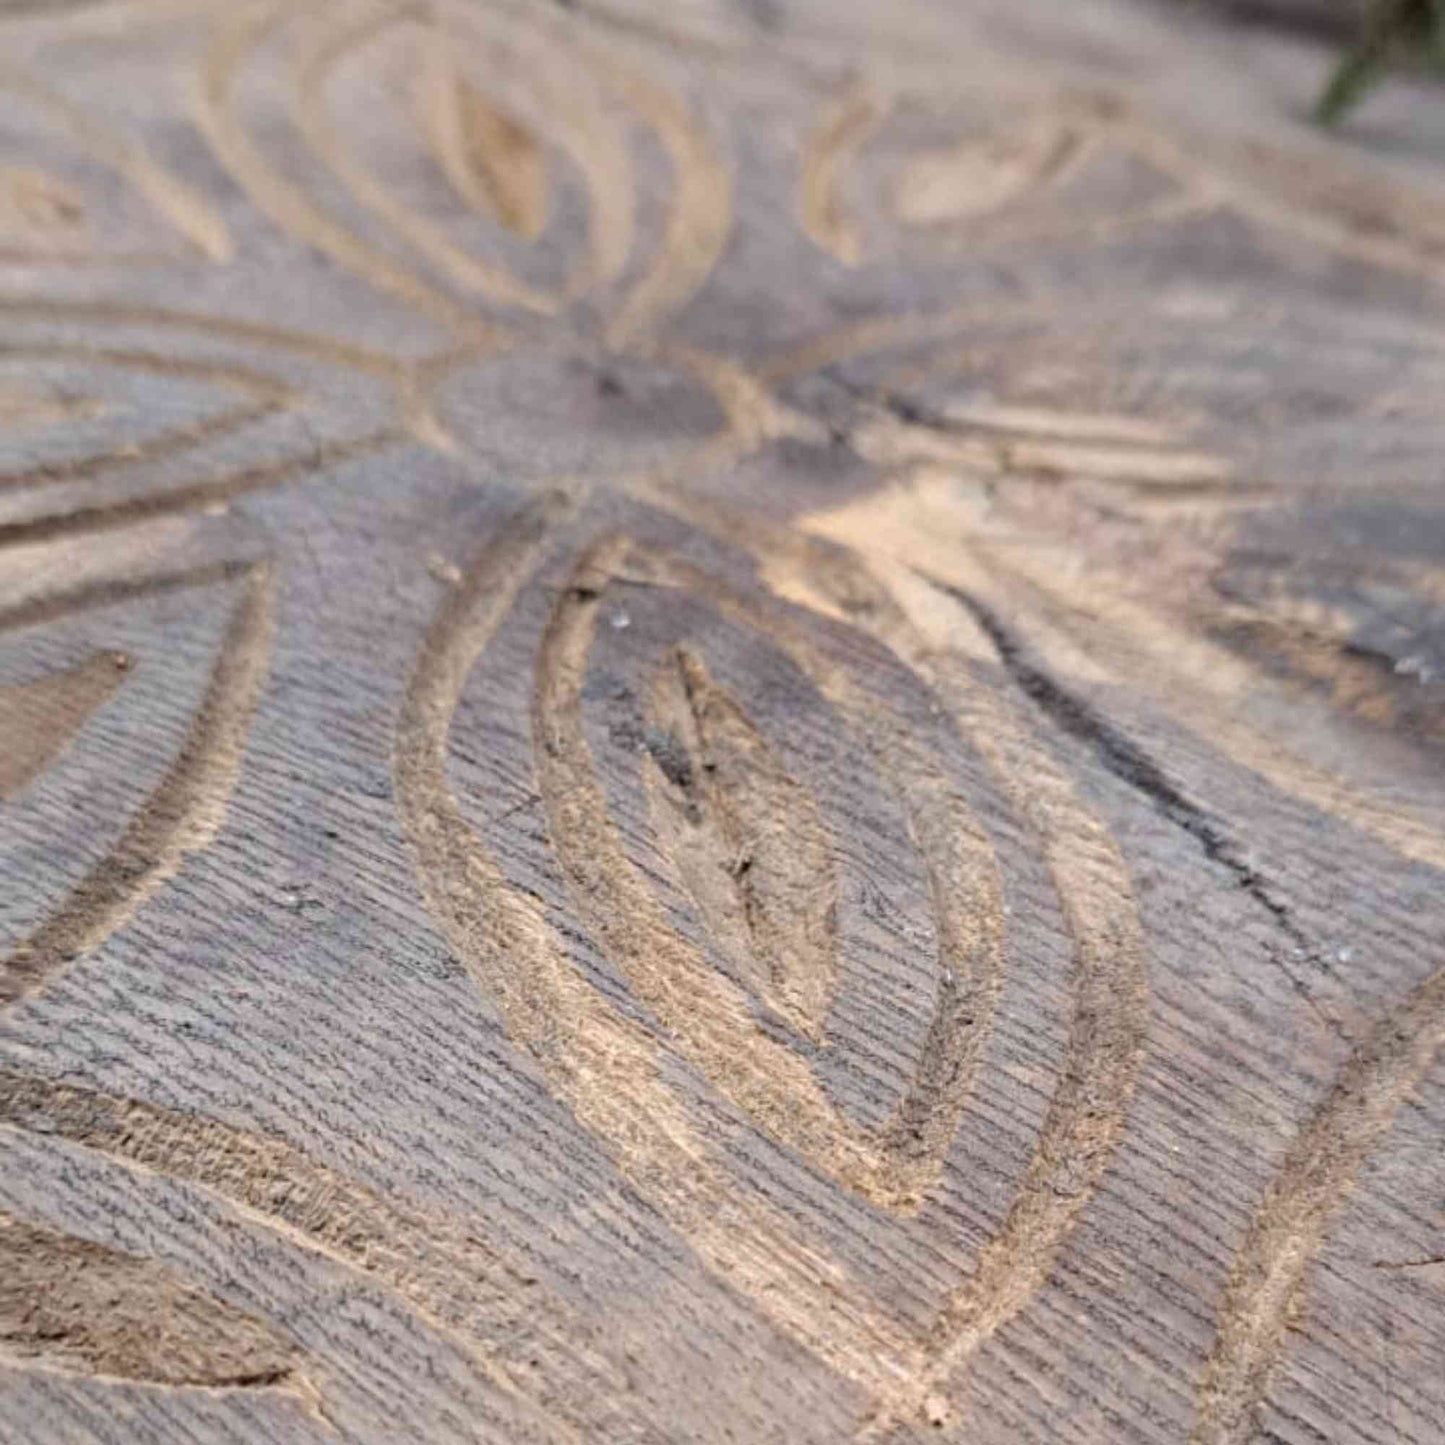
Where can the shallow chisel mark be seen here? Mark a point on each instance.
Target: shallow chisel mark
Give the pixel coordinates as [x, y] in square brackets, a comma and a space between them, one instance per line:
[985, 174]
[39, 719]
[71, 1304]
[184, 812]
[1266, 1282]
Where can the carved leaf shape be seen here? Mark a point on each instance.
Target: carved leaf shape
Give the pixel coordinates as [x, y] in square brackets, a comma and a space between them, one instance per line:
[981, 175]
[80, 1306]
[38, 719]
[747, 840]
[504, 164]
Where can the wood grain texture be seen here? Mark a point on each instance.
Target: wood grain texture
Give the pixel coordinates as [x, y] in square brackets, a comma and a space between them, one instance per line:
[717, 723]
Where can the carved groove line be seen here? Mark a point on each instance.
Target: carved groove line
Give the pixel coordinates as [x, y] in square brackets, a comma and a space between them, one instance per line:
[603, 1066]
[1266, 1282]
[1087, 1114]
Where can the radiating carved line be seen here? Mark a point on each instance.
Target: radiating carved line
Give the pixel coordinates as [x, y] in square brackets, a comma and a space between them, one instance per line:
[841, 132]
[328, 143]
[439, 1266]
[699, 215]
[271, 396]
[289, 205]
[71, 1304]
[747, 840]
[39, 719]
[1266, 1281]
[191, 496]
[908, 433]
[880, 333]
[183, 814]
[1367, 216]
[175, 202]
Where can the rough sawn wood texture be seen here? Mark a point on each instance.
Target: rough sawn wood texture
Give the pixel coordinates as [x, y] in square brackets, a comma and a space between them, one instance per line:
[718, 722]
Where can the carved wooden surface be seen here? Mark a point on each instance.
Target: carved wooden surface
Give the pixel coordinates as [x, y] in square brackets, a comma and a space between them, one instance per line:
[717, 723]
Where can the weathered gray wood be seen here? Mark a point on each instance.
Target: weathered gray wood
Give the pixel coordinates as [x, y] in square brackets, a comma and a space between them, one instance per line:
[717, 722]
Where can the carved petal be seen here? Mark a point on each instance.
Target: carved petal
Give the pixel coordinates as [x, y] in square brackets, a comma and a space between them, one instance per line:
[747, 840]
[84, 1307]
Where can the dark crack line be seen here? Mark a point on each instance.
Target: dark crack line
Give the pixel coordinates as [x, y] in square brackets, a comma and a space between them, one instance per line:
[1129, 762]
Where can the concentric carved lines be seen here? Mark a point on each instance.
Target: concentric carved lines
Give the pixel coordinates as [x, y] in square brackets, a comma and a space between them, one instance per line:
[440, 1267]
[191, 496]
[288, 204]
[311, 72]
[840, 133]
[699, 216]
[69, 1304]
[1266, 1282]
[177, 203]
[604, 1066]
[270, 395]
[708, 1016]
[971, 188]
[183, 814]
